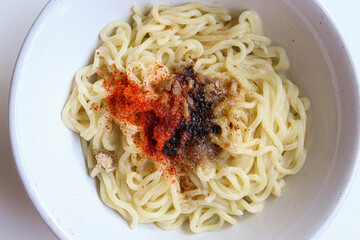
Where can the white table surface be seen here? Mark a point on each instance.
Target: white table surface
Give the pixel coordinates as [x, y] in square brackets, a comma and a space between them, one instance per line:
[18, 217]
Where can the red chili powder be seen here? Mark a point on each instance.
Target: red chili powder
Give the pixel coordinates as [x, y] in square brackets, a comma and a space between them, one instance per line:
[157, 117]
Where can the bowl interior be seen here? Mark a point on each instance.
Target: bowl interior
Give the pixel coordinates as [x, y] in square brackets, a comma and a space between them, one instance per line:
[49, 156]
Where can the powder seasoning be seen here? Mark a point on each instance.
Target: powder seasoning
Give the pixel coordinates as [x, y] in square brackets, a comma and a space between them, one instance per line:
[165, 132]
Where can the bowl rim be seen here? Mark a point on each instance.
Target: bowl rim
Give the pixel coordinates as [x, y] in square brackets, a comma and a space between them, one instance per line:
[356, 163]
[17, 76]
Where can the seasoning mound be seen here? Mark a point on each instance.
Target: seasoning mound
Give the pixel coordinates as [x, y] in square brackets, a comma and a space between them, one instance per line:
[176, 121]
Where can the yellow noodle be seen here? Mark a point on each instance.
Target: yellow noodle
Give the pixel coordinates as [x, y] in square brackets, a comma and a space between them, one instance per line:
[270, 118]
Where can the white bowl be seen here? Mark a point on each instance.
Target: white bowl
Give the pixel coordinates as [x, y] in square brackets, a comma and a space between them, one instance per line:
[50, 160]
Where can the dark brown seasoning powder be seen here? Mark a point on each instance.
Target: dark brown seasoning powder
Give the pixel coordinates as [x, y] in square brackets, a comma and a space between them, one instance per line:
[191, 142]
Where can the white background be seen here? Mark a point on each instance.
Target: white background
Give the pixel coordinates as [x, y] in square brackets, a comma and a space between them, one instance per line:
[18, 217]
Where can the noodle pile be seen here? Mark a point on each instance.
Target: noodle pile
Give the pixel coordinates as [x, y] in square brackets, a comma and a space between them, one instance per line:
[262, 127]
